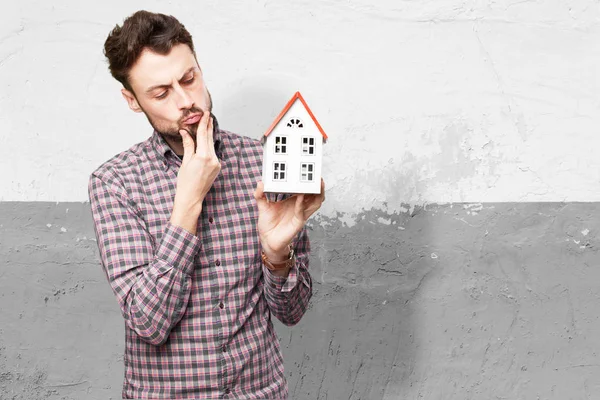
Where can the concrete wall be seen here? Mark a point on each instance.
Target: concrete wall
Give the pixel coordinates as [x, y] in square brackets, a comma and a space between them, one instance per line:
[455, 257]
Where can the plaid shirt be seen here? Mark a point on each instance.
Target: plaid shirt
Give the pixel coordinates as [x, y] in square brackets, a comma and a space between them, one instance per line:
[197, 308]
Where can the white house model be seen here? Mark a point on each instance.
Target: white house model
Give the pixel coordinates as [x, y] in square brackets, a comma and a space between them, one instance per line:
[293, 150]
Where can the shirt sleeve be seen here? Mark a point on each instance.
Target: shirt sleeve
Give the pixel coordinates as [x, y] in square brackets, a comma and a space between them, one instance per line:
[288, 297]
[152, 281]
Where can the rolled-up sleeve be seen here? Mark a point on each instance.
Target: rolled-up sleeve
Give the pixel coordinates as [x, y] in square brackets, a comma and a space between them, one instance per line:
[288, 297]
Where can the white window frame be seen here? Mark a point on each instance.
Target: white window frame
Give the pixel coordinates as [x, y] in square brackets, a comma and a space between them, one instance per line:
[307, 146]
[307, 170]
[278, 171]
[282, 147]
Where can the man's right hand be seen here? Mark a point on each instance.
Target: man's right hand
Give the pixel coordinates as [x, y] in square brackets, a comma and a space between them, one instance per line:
[199, 168]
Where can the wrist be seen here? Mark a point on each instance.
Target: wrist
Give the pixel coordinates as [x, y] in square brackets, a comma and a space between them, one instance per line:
[277, 256]
[186, 217]
[280, 263]
[186, 209]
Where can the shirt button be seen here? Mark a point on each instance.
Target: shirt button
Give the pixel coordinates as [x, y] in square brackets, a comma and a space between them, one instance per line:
[221, 305]
[227, 391]
[217, 263]
[224, 348]
[211, 220]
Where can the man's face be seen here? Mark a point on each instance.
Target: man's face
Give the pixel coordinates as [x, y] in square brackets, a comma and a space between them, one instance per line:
[170, 90]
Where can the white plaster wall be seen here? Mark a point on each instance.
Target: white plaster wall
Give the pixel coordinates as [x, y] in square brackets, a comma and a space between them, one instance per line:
[431, 101]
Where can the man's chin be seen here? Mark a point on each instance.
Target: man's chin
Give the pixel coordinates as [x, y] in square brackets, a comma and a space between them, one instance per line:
[191, 129]
[176, 135]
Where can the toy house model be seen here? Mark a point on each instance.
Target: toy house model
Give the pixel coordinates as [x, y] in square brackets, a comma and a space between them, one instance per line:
[293, 150]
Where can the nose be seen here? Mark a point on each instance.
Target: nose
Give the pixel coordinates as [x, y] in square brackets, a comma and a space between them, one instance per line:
[184, 100]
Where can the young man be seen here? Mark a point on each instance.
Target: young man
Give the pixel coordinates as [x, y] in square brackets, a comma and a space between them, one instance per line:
[195, 254]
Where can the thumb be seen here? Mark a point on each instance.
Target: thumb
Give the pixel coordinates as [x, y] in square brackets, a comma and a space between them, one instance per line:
[259, 194]
[188, 144]
[299, 207]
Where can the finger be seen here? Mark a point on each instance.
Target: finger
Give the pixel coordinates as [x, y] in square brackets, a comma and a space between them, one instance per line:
[312, 198]
[188, 145]
[201, 135]
[312, 204]
[322, 194]
[211, 141]
[259, 194]
[299, 207]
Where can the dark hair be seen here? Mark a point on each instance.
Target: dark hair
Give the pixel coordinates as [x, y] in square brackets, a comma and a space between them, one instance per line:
[142, 30]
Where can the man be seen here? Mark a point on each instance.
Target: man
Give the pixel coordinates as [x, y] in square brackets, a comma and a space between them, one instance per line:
[195, 254]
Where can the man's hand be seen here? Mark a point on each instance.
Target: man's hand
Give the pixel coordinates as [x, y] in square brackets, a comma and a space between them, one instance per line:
[279, 222]
[199, 168]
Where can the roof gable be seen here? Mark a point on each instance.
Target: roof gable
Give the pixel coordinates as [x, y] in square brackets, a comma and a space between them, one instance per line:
[296, 96]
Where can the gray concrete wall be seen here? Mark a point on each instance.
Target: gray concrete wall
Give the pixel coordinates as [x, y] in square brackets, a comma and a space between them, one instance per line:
[447, 302]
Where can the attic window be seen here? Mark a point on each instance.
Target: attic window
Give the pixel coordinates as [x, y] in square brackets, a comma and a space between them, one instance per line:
[279, 171]
[295, 123]
[307, 172]
[308, 145]
[280, 145]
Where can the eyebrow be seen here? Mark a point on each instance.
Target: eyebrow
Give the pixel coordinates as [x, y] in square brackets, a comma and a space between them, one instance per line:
[165, 86]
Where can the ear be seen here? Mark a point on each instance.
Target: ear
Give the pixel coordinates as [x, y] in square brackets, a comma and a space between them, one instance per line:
[131, 100]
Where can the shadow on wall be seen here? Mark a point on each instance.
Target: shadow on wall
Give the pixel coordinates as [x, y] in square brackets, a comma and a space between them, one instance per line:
[251, 109]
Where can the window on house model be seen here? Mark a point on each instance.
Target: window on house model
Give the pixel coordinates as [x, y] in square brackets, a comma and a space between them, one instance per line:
[295, 123]
[279, 171]
[307, 172]
[280, 145]
[308, 145]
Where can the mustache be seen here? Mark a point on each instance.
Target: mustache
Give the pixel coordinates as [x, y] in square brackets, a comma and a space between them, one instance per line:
[187, 113]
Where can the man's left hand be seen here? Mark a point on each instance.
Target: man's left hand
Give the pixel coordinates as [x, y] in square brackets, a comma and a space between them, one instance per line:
[279, 222]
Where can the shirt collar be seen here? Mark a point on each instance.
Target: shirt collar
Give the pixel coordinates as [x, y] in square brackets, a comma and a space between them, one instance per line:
[165, 153]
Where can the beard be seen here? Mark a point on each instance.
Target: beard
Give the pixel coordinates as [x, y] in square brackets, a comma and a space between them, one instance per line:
[172, 131]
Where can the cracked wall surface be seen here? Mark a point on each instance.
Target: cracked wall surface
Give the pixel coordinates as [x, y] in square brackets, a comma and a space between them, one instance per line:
[462, 301]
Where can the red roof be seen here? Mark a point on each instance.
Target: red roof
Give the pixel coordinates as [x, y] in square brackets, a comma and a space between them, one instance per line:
[297, 95]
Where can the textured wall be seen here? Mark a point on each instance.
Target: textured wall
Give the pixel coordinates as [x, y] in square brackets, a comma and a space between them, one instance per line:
[449, 302]
[442, 268]
[424, 101]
